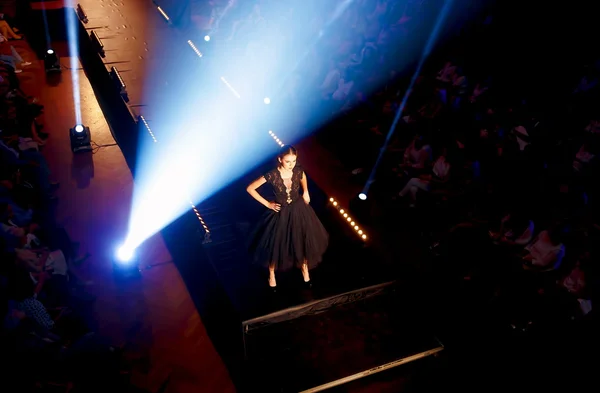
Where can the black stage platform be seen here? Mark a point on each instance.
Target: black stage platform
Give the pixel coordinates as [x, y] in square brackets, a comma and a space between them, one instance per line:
[357, 320]
[349, 263]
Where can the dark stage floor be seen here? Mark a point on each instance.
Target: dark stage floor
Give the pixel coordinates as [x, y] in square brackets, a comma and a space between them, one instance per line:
[349, 263]
[319, 348]
[354, 291]
[355, 310]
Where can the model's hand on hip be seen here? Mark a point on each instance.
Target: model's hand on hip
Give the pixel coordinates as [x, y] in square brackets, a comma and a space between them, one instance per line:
[274, 206]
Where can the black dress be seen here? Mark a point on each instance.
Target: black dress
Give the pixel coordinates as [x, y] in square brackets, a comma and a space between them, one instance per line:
[294, 234]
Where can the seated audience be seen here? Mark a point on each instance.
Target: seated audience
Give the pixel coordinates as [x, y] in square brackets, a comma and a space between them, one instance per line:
[440, 173]
[546, 251]
[515, 230]
[593, 127]
[417, 155]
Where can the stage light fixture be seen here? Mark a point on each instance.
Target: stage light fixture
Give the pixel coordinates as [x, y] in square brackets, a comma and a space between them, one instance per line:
[119, 83]
[126, 262]
[81, 14]
[360, 207]
[81, 138]
[267, 100]
[97, 42]
[52, 62]
[207, 38]
[125, 254]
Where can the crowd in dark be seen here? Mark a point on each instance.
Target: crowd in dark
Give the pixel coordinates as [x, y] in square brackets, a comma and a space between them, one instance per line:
[498, 166]
[47, 332]
[480, 135]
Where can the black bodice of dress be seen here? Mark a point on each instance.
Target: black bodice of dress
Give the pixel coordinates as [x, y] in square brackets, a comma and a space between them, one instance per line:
[284, 195]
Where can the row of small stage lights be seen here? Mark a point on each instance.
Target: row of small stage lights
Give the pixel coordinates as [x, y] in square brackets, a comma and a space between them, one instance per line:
[349, 220]
[267, 101]
[195, 209]
[276, 139]
[142, 119]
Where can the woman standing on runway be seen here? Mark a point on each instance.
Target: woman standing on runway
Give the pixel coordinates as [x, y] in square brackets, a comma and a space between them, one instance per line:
[289, 233]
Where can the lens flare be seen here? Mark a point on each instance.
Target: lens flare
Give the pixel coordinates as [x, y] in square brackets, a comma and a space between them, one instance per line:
[125, 254]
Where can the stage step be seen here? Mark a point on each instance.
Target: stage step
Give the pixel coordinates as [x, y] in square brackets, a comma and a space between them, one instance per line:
[340, 344]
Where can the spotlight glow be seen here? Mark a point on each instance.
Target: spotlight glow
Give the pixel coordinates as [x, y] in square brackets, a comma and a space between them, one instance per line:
[50, 52]
[78, 128]
[125, 254]
[362, 196]
[202, 150]
[73, 34]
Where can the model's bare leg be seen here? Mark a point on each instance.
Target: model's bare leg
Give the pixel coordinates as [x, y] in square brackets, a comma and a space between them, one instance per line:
[272, 282]
[305, 273]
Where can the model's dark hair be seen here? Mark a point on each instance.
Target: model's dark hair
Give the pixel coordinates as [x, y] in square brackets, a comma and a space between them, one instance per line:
[287, 149]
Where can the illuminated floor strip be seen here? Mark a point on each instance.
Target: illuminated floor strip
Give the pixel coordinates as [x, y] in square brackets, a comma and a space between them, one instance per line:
[143, 120]
[164, 14]
[353, 224]
[197, 213]
[235, 93]
[191, 44]
[276, 139]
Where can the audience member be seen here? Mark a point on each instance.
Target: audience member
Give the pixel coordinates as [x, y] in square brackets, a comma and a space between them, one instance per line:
[42, 304]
